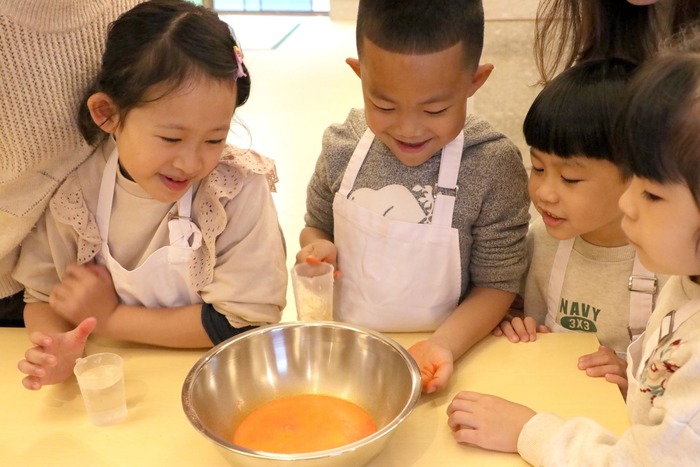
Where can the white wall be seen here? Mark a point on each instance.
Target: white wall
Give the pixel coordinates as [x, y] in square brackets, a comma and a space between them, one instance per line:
[343, 10]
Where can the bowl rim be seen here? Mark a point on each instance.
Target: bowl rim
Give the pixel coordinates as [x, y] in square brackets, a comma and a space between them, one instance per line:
[416, 391]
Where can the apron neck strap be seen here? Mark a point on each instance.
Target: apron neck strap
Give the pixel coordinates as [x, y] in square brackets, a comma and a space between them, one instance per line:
[642, 286]
[445, 193]
[556, 276]
[445, 190]
[184, 226]
[356, 161]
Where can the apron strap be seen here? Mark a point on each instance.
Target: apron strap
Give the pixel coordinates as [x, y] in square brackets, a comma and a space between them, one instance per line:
[445, 190]
[556, 276]
[104, 201]
[356, 161]
[445, 193]
[182, 231]
[642, 285]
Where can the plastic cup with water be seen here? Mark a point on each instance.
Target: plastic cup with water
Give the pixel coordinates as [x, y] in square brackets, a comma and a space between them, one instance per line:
[101, 380]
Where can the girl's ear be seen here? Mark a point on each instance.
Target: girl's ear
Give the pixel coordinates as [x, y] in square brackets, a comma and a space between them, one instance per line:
[103, 112]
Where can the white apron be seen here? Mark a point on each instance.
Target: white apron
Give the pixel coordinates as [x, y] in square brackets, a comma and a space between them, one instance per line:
[641, 284]
[639, 352]
[163, 279]
[397, 276]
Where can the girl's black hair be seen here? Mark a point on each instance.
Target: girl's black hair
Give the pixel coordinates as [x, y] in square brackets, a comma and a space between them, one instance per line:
[162, 41]
[658, 133]
[570, 31]
[575, 113]
[422, 26]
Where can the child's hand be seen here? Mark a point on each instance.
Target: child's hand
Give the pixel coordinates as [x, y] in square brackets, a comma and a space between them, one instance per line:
[320, 250]
[435, 362]
[518, 329]
[53, 356]
[487, 421]
[86, 290]
[605, 362]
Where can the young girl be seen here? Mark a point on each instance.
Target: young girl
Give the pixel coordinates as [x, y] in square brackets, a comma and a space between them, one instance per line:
[165, 236]
[659, 135]
[580, 262]
[570, 31]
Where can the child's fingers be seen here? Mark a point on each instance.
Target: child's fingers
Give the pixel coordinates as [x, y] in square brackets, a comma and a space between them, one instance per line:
[509, 332]
[311, 259]
[32, 383]
[30, 369]
[604, 356]
[621, 382]
[440, 378]
[520, 329]
[84, 329]
[603, 370]
[100, 271]
[72, 270]
[459, 419]
[40, 339]
[530, 327]
[39, 357]
[78, 272]
[592, 360]
[426, 377]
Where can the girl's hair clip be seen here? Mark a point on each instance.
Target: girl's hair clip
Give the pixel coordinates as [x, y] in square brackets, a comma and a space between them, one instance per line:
[239, 62]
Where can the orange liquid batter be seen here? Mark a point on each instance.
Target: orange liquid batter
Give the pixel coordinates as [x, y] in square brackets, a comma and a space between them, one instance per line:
[304, 423]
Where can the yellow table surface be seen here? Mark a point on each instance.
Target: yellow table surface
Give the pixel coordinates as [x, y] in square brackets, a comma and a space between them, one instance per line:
[50, 427]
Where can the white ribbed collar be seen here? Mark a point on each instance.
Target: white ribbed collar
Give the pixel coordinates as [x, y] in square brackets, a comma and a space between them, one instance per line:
[53, 15]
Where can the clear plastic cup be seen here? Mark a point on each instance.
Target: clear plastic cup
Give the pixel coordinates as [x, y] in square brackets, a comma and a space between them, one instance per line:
[101, 380]
[313, 291]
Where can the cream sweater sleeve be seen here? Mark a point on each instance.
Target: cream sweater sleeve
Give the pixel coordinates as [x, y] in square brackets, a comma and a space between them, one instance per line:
[50, 52]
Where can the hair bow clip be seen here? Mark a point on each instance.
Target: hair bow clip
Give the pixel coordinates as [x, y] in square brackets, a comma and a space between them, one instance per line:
[238, 54]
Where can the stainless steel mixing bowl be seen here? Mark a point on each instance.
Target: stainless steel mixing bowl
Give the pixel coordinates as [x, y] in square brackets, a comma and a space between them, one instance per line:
[330, 358]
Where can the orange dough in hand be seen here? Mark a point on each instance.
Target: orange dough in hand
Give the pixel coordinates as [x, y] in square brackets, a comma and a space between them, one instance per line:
[304, 423]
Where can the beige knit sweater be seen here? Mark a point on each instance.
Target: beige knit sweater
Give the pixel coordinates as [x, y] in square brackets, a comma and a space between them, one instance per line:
[50, 50]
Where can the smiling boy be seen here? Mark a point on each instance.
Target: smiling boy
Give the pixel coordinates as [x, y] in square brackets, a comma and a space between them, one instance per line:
[422, 208]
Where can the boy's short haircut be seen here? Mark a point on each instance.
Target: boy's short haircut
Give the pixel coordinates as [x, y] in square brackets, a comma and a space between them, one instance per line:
[422, 26]
[575, 113]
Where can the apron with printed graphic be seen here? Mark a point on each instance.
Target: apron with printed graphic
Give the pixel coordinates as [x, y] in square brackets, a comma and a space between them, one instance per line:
[397, 276]
[641, 284]
[163, 279]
